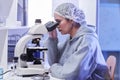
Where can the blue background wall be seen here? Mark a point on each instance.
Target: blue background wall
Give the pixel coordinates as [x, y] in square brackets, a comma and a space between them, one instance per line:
[109, 25]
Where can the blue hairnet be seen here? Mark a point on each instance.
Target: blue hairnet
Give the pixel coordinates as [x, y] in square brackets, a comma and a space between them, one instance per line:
[70, 11]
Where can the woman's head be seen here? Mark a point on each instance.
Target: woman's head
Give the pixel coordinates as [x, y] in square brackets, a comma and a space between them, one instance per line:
[69, 17]
[64, 24]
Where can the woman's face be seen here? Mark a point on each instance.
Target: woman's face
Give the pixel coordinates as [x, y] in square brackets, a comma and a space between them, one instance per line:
[65, 26]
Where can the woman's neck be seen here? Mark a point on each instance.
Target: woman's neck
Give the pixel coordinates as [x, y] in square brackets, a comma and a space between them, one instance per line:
[73, 31]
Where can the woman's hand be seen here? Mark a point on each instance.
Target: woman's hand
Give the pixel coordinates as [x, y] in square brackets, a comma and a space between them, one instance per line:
[53, 34]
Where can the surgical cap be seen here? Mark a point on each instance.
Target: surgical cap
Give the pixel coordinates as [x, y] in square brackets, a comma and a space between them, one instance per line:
[70, 11]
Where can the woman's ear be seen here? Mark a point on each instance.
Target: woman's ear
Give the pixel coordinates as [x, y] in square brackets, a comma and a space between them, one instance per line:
[75, 24]
[72, 23]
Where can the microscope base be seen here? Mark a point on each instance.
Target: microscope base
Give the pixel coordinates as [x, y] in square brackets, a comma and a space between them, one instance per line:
[25, 72]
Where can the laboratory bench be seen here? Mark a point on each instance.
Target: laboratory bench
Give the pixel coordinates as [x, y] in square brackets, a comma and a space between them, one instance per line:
[10, 74]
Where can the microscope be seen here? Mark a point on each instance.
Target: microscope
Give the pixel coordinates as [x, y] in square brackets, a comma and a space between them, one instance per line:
[27, 64]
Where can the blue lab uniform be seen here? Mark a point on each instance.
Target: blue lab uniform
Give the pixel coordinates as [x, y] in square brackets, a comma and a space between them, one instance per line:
[79, 58]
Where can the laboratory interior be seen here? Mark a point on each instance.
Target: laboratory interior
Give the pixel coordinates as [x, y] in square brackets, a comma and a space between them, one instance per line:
[24, 25]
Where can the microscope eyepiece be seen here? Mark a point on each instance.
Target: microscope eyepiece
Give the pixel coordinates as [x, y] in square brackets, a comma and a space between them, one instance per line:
[51, 25]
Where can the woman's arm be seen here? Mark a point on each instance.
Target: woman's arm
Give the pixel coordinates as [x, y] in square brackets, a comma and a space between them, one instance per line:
[79, 60]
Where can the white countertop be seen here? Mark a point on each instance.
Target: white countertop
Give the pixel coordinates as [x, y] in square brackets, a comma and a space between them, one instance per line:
[12, 76]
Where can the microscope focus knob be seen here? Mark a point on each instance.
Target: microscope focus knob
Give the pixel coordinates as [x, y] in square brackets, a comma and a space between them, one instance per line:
[23, 57]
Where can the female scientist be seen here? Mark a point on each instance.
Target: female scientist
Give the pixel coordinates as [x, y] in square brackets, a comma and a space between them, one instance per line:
[80, 56]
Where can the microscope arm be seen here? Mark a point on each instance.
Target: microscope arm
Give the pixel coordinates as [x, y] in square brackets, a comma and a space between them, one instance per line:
[20, 47]
[21, 44]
